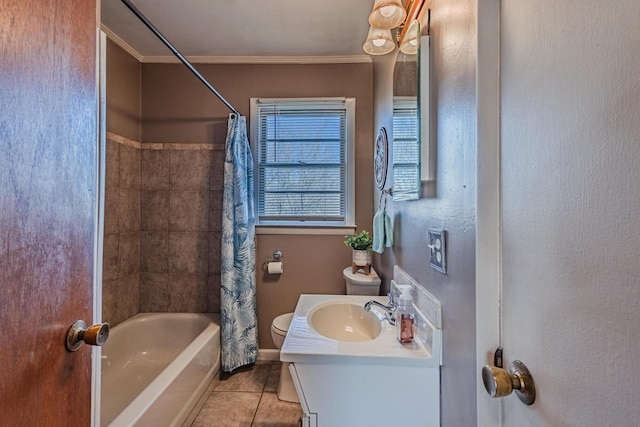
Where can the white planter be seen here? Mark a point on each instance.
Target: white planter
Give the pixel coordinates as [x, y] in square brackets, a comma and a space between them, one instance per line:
[361, 258]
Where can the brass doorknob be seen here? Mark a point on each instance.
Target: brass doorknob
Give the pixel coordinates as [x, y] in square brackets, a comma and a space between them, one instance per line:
[93, 335]
[499, 382]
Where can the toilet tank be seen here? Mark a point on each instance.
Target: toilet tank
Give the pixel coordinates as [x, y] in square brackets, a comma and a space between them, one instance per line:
[359, 283]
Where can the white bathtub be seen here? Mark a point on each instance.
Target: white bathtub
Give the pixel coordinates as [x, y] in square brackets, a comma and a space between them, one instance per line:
[156, 368]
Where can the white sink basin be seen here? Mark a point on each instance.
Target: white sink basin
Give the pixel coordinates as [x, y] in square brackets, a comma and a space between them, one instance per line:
[344, 321]
[335, 328]
[338, 354]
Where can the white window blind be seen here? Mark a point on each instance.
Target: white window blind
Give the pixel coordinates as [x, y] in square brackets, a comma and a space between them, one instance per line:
[406, 150]
[303, 161]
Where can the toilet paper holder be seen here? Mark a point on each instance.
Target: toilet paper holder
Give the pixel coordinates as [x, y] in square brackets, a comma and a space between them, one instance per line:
[275, 257]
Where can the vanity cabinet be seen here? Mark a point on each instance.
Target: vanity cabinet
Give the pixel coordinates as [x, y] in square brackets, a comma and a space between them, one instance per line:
[372, 380]
[349, 394]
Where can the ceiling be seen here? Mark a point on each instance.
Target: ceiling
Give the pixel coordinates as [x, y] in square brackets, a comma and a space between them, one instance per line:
[274, 30]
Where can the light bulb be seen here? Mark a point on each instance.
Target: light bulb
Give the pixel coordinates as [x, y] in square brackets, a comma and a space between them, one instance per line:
[387, 11]
[378, 42]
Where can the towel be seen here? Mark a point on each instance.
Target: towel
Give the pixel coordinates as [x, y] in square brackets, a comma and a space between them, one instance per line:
[382, 231]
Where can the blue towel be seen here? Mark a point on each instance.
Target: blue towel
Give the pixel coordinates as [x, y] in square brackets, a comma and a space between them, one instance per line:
[378, 232]
[382, 231]
[388, 231]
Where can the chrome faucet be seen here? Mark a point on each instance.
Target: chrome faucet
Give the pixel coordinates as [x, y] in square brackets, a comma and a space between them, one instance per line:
[389, 310]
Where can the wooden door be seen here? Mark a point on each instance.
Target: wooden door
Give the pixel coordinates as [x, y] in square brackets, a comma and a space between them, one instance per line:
[48, 173]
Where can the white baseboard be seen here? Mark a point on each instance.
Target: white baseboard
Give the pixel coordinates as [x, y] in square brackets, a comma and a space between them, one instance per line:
[268, 354]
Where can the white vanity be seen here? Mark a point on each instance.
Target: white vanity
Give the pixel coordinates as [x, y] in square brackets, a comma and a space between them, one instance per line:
[362, 376]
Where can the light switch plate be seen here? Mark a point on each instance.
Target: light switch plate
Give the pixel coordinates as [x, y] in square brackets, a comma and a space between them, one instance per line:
[437, 250]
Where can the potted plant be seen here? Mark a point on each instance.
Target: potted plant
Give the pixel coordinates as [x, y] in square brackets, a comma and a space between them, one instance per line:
[361, 245]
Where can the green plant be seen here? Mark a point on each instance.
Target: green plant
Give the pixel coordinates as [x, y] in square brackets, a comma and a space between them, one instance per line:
[361, 241]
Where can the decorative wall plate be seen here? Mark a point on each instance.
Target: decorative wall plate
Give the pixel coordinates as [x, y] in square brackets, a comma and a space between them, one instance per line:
[381, 158]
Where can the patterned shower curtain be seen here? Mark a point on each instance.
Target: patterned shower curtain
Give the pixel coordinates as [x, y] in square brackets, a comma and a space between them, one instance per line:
[239, 341]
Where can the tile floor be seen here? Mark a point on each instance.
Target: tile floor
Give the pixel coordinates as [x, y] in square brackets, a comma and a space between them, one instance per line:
[247, 398]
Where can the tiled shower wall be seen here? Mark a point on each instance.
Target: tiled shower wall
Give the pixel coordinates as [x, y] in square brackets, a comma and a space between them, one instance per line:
[121, 256]
[162, 228]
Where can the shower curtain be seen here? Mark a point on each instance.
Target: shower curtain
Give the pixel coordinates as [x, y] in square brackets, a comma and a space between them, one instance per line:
[238, 320]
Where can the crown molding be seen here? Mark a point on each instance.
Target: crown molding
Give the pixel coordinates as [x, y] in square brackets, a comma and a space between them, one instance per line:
[170, 59]
[345, 59]
[124, 45]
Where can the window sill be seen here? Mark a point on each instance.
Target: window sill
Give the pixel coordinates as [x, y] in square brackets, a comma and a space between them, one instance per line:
[305, 230]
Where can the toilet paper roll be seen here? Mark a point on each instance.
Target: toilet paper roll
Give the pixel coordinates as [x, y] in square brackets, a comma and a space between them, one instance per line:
[275, 267]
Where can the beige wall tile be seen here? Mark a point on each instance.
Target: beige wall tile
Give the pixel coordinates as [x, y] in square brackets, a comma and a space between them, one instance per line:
[128, 210]
[111, 209]
[215, 211]
[110, 258]
[189, 170]
[112, 160]
[213, 293]
[128, 253]
[129, 295]
[154, 210]
[155, 170]
[187, 293]
[215, 245]
[188, 252]
[189, 210]
[154, 251]
[110, 299]
[154, 292]
[217, 170]
[129, 167]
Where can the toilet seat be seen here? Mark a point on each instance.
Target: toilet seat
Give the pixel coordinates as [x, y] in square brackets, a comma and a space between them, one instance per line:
[280, 324]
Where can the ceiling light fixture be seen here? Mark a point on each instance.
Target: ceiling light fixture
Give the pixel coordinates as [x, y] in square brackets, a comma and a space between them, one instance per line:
[390, 14]
[387, 14]
[379, 42]
[409, 44]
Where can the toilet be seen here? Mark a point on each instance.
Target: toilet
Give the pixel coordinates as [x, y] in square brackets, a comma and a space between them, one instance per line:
[279, 327]
[359, 283]
[356, 283]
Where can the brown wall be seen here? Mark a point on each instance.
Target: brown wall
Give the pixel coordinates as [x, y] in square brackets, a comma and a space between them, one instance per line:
[123, 89]
[178, 111]
[177, 108]
[451, 206]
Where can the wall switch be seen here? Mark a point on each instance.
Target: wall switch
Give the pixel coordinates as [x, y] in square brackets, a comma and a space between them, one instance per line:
[437, 250]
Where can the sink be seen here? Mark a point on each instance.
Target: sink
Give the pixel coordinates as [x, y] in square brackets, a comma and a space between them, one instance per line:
[334, 345]
[345, 321]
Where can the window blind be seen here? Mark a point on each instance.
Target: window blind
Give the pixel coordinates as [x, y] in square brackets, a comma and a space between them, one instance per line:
[301, 160]
[406, 151]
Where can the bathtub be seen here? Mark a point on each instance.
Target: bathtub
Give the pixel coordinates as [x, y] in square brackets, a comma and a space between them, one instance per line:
[157, 367]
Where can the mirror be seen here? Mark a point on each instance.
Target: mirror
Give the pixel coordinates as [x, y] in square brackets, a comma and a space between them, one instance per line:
[410, 160]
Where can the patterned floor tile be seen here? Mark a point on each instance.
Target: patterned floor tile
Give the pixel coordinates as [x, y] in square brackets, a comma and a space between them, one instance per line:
[248, 378]
[228, 409]
[274, 378]
[247, 398]
[276, 413]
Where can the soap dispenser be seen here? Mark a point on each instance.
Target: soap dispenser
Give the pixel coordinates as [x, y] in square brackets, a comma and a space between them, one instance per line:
[404, 315]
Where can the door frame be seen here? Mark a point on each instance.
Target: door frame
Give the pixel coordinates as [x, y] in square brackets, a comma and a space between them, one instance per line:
[489, 215]
[101, 89]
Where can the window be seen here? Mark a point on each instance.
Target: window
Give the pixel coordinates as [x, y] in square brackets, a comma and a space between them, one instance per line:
[304, 150]
[406, 149]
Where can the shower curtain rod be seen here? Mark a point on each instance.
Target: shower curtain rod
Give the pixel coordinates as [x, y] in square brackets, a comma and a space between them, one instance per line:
[184, 60]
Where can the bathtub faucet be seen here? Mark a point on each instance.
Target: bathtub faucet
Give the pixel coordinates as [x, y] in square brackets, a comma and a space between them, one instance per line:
[389, 310]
